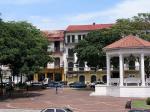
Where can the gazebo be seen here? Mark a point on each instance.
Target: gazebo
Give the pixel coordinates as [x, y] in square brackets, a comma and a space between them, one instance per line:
[125, 47]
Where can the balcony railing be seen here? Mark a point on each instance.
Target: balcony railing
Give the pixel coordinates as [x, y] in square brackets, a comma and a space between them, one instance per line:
[55, 49]
[71, 58]
[80, 69]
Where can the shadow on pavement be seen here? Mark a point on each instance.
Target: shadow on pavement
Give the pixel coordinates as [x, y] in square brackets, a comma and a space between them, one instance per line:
[19, 94]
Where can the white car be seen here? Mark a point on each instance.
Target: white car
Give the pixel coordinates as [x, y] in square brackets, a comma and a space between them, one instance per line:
[46, 81]
[57, 110]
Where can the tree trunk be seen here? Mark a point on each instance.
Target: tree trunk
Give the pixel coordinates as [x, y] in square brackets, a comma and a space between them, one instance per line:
[1, 80]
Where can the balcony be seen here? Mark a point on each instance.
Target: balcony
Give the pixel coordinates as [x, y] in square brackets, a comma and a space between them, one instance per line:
[56, 50]
[70, 58]
[78, 69]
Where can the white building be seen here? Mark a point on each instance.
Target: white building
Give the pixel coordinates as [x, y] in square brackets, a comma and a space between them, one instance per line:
[73, 34]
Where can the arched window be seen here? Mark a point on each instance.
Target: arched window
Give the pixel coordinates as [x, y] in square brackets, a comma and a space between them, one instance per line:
[93, 78]
[82, 79]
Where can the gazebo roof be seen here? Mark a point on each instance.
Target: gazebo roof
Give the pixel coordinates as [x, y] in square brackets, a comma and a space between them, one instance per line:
[129, 41]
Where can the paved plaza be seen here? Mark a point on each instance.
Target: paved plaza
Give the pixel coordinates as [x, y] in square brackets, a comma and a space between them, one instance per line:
[78, 100]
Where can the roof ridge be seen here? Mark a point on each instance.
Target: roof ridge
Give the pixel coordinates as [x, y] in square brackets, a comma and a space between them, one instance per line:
[140, 40]
[129, 41]
[91, 24]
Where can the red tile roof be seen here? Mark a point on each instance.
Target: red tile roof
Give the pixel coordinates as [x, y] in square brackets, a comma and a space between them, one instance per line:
[74, 28]
[54, 35]
[129, 42]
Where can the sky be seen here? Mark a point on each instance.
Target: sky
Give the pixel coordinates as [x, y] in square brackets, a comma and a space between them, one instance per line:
[58, 14]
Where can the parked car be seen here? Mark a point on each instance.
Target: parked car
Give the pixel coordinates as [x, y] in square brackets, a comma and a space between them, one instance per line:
[46, 81]
[54, 84]
[135, 110]
[92, 85]
[77, 85]
[147, 110]
[57, 110]
[35, 84]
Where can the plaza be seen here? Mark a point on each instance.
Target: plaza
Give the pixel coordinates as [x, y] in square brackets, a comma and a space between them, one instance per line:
[78, 100]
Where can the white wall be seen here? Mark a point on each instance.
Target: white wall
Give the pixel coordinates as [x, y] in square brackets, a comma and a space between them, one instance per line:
[70, 46]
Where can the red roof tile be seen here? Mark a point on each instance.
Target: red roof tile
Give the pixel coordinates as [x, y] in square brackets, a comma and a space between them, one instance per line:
[74, 28]
[129, 42]
[54, 35]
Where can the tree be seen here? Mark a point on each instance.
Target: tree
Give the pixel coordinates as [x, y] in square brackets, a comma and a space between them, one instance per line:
[91, 48]
[23, 47]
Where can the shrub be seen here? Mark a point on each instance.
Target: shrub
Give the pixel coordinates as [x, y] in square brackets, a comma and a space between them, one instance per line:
[148, 101]
[21, 85]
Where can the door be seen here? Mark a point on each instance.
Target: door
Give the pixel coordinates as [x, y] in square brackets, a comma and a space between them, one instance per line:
[93, 78]
[82, 79]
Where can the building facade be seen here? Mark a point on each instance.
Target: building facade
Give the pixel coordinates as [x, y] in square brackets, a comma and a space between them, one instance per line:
[54, 70]
[74, 70]
[66, 66]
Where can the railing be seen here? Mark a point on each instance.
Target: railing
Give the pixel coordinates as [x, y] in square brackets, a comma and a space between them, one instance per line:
[55, 49]
[71, 58]
[81, 69]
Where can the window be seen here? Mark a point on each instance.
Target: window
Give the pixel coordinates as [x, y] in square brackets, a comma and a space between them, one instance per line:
[84, 36]
[49, 110]
[57, 46]
[73, 38]
[70, 66]
[79, 37]
[70, 53]
[68, 39]
[57, 62]
[59, 110]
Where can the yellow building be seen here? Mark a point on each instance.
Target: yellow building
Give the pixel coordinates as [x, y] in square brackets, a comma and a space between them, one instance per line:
[54, 70]
[91, 76]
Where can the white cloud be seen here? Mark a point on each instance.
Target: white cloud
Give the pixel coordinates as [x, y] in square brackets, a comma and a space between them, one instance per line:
[124, 9]
[46, 23]
[22, 2]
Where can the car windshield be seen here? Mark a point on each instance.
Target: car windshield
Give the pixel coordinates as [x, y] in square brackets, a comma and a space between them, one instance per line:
[68, 110]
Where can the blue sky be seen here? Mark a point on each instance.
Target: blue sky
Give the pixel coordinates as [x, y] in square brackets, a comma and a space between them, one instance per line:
[58, 14]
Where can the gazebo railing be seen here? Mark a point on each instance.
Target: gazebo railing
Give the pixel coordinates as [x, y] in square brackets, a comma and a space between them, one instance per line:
[128, 81]
[147, 81]
[132, 80]
[114, 81]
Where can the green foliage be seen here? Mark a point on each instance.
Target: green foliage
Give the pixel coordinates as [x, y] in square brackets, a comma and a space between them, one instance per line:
[91, 48]
[23, 47]
[148, 101]
[21, 85]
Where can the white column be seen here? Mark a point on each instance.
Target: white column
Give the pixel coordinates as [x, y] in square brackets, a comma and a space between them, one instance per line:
[75, 60]
[142, 70]
[121, 62]
[108, 69]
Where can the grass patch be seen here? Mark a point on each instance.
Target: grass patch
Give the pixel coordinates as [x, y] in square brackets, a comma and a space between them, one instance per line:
[140, 104]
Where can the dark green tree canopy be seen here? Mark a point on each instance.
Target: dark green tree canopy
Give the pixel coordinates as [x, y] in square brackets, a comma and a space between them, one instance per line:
[23, 47]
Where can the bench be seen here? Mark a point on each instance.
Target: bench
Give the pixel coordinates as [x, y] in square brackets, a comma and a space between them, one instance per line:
[113, 81]
[132, 81]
